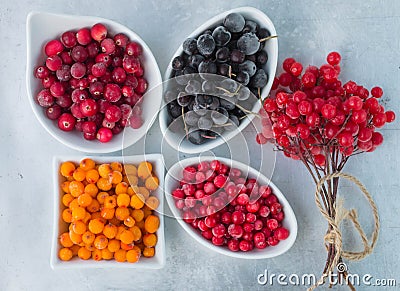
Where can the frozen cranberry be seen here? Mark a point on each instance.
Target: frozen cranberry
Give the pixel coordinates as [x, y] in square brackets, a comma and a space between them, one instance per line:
[219, 230]
[190, 202]
[41, 72]
[272, 241]
[53, 63]
[264, 211]
[219, 203]
[53, 47]
[188, 216]
[207, 234]
[130, 64]
[215, 165]
[209, 188]
[53, 112]
[89, 127]
[211, 209]
[88, 107]
[44, 98]
[178, 194]
[134, 49]
[200, 177]
[253, 207]
[279, 217]
[276, 208]
[281, 233]
[233, 245]
[79, 54]
[107, 46]
[210, 221]
[220, 180]
[218, 241]
[113, 113]
[78, 70]
[118, 75]
[271, 199]
[199, 194]
[251, 217]
[259, 240]
[226, 218]
[112, 92]
[64, 101]
[79, 95]
[242, 199]
[207, 200]
[121, 40]
[64, 73]
[179, 204]
[245, 246]
[57, 89]
[248, 227]
[258, 224]
[66, 122]
[238, 217]
[83, 36]
[98, 32]
[104, 134]
[189, 173]
[202, 226]
[235, 231]
[272, 224]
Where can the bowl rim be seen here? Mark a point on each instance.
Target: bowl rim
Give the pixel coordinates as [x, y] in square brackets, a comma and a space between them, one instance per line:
[104, 148]
[163, 115]
[160, 257]
[255, 254]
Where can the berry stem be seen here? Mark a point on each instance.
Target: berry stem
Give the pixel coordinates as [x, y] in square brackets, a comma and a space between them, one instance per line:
[268, 38]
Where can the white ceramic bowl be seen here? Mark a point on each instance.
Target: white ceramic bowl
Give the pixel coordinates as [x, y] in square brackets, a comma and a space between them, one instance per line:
[290, 222]
[271, 48]
[42, 27]
[59, 226]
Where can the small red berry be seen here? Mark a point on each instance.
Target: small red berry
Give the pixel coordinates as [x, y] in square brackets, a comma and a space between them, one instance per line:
[333, 58]
[66, 122]
[53, 47]
[98, 32]
[104, 134]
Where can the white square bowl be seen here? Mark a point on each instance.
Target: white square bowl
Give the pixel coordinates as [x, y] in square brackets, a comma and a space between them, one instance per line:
[42, 27]
[59, 226]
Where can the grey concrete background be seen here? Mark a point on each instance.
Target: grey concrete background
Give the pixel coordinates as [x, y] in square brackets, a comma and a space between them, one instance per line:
[367, 35]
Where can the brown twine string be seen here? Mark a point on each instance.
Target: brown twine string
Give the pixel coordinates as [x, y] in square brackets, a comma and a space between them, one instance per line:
[335, 235]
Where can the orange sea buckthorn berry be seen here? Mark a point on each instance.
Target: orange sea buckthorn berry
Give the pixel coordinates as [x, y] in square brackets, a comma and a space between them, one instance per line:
[130, 169]
[144, 192]
[126, 247]
[92, 176]
[88, 237]
[100, 242]
[65, 186]
[131, 180]
[101, 197]
[116, 177]
[132, 190]
[132, 256]
[136, 248]
[151, 223]
[120, 255]
[150, 240]
[65, 254]
[116, 166]
[73, 204]
[110, 202]
[104, 170]
[121, 228]
[107, 213]
[66, 199]
[78, 227]
[88, 216]
[152, 183]
[106, 254]
[78, 213]
[92, 190]
[97, 255]
[97, 215]
[137, 233]
[90, 247]
[123, 200]
[121, 188]
[110, 230]
[152, 202]
[115, 221]
[67, 169]
[79, 174]
[104, 184]
[87, 164]
[96, 226]
[114, 245]
[127, 237]
[76, 188]
[129, 221]
[85, 200]
[122, 213]
[94, 206]
[65, 240]
[84, 253]
[137, 201]
[67, 215]
[137, 214]
[147, 211]
[140, 224]
[144, 170]
[75, 249]
[148, 252]
[75, 238]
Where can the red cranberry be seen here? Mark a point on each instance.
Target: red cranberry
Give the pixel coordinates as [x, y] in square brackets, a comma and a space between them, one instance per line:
[134, 49]
[112, 92]
[64, 101]
[251, 217]
[218, 241]
[121, 40]
[83, 36]
[108, 46]
[79, 95]
[178, 194]
[253, 207]
[202, 226]
[53, 112]
[200, 177]
[272, 241]
[66, 122]
[209, 188]
[53, 63]
[64, 73]
[220, 180]
[207, 234]
[242, 199]
[271, 199]
[276, 208]
[272, 224]
[267, 232]
[104, 134]
[190, 202]
[98, 32]
[89, 127]
[79, 54]
[245, 246]
[57, 89]
[219, 230]
[130, 64]
[78, 70]
[264, 211]
[233, 245]
[44, 98]
[203, 166]
[113, 113]
[248, 227]
[279, 217]
[199, 194]
[53, 47]
[281, 233]
[88, 107]
[210, 221]
[207, 200]
[42, 72]
[189, 189]
[235, 231]
[258, 224]
[259, 240]
[226, 218]
[189, 173]
[215, 165]
[179, 204]
[118, 75]
[238, 217]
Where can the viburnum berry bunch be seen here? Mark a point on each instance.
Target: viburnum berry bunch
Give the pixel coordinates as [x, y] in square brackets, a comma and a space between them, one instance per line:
[311, 116]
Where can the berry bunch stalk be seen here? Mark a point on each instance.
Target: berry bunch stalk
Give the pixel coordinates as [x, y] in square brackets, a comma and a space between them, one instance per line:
[313, 118]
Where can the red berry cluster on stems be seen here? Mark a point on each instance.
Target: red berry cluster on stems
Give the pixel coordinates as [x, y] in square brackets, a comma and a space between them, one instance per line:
[91, 81]
[220, 203]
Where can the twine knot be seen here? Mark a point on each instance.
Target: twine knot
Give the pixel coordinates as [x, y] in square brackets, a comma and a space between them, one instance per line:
[334, 236]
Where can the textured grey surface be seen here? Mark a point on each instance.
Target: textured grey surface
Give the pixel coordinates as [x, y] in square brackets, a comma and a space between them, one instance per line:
[367, 35]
